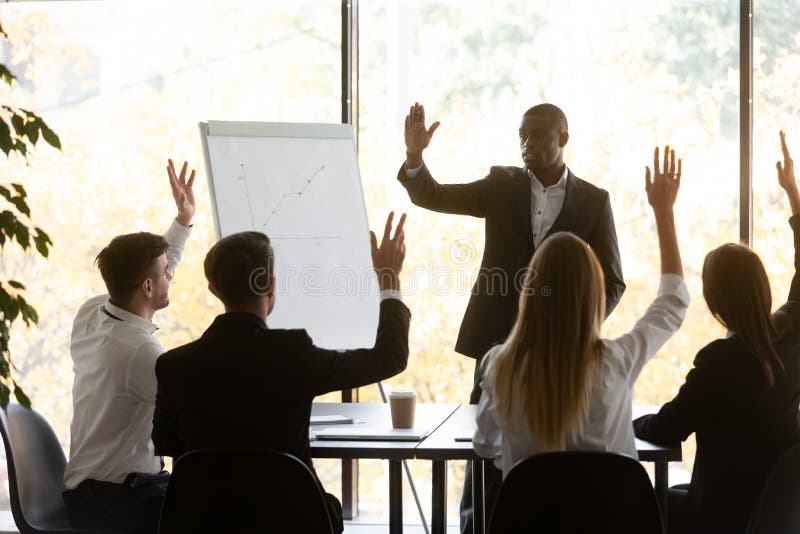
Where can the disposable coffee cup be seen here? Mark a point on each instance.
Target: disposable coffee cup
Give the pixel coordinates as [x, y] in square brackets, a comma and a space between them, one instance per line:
[402, 403]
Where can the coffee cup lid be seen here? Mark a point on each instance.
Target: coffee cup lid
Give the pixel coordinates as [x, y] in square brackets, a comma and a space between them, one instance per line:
[403, 393]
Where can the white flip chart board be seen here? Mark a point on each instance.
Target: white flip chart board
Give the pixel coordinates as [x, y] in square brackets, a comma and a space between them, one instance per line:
[300, 185]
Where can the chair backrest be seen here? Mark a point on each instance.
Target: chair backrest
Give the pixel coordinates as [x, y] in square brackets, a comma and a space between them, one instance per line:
[778, 508]
[36, 464]
[576, 492]
[243, 490]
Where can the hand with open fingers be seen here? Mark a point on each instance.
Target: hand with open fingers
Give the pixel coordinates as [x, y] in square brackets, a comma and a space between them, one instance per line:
[387, 258]
[417, 135]
[182, 192]
[662, 186]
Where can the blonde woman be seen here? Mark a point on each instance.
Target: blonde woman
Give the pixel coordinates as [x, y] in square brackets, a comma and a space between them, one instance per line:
[555, 384]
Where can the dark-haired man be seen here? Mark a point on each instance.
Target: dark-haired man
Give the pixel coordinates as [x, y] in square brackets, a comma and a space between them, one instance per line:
[224, 389]
[522, 206]
[113, 478]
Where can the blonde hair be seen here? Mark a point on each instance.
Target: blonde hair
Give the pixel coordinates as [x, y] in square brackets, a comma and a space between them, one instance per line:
[546, 369]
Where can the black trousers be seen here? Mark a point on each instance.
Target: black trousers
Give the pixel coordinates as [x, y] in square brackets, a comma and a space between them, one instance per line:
[133, 506]
[492, 476]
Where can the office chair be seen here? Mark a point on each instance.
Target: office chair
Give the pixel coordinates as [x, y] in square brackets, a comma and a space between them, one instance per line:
[576, 492]
[35, 464]
[243, 490]
[778, 508]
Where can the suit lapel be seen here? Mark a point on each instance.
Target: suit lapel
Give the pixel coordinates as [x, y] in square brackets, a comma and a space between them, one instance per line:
[522, 213]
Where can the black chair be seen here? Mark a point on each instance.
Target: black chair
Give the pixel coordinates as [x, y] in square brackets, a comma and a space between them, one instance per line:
[243, 490]
[35, 464]
[778, 508]
[576, 492]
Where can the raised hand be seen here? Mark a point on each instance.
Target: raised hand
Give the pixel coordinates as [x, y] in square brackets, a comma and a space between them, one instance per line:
[417, 136]
[662, 187]
[662, 190]
[387, 258]
[182, 192]
[786, 176]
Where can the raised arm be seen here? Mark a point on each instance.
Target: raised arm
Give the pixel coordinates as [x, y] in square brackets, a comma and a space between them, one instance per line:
[662, 190]
[183, 195]
[787, 181]
[666, 313]
[335, 370]
[424, 191]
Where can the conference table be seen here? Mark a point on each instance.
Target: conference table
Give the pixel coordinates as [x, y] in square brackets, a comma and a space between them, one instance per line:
[451, 427]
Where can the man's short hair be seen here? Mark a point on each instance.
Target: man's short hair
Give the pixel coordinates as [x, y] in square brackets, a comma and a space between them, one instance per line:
[127, 261]
[240, 268]
[552, 112]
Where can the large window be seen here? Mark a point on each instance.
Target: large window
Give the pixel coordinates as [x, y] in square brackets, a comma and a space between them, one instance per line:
[124, 84]
[628, 75]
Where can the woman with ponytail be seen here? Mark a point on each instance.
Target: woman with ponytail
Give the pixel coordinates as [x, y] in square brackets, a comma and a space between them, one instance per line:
[555, 384]
[741, 399]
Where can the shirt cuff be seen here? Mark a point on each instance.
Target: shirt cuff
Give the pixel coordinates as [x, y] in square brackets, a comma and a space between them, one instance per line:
[410, 173]
[391, 294]
[177, 234]
[674, 284]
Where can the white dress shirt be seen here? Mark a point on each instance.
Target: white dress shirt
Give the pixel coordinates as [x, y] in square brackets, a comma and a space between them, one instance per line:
[608, 424]
[546, 202]
[113, 396]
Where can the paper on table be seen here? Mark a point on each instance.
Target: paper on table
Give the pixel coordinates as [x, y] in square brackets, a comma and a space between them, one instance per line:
[331, 420]
[357, 433]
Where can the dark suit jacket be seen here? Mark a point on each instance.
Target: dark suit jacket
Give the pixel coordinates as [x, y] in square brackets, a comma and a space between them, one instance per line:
[741, 424]
[245, 385]
[503, 199]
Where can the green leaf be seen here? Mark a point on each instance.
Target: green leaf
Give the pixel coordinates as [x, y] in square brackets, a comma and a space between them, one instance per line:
[29, 313]
[11, 311]
[16, 285]
[32, 130]
[42, 240]
[23, 236]
[5, 367]
[22, 398]
[21, 147]
[4, 395]
[50, 136]
[6, 143]
[6, 75]
[5, 192]
[19, 189]
[21, 205]
[19, 123]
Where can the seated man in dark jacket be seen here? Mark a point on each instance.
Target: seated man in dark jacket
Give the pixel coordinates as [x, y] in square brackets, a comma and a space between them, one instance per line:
[219, 390]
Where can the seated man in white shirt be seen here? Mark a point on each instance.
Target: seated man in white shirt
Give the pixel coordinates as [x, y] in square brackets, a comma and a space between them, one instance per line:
[113, 478]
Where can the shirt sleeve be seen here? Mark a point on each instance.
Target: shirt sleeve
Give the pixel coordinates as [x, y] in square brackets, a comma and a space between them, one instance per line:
[176, 235]
[411, 173]
[661, 320]
[487, 440]
[141, 374]
[391, 294]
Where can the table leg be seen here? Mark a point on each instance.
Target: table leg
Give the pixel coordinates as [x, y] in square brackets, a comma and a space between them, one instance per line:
[439, 512]
[662, 484]
[478, 504]
[395, 497]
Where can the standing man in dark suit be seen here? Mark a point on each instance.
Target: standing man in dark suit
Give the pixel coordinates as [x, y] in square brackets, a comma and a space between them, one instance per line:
[522, 206]
[225, 389]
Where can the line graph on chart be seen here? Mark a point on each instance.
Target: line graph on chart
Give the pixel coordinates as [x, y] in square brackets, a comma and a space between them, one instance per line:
[307, 182]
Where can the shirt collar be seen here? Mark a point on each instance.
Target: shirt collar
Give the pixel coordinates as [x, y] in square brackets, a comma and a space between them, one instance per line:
[560, 185]
[115, 312]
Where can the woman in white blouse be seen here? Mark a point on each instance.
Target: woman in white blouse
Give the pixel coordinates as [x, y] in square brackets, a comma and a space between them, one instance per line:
[555, 384]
